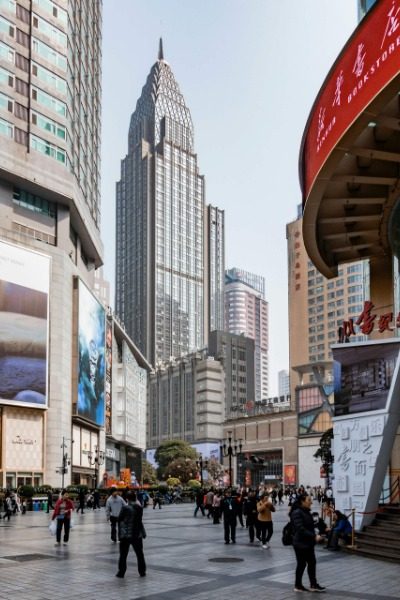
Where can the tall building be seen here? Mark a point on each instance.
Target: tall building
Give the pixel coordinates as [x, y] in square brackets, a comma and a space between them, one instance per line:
[236, 353]
[317, 309]
[215, 253]
[50, 99]
[186, 400]
[246, 313]
[162, 282]
[364, 6]
[283, 383]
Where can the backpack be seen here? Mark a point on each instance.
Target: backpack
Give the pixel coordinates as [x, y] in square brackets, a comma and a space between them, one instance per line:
[287, 534]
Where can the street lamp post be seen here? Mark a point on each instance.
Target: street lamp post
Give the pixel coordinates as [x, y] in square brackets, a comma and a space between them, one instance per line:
[65, 459]
[227, 450]
[96, 460]
[200, 465]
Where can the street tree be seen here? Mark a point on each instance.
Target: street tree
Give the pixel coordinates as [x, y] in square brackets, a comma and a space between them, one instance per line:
[182, 468]
[149, 474]
[170, 450]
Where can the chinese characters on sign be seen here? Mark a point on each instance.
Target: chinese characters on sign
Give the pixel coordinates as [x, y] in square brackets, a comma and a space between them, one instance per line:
[366, 323]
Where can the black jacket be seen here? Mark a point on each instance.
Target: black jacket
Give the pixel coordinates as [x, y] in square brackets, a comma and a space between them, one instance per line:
[303, 524]
[130, 524]
[230, 508]
[250, 510]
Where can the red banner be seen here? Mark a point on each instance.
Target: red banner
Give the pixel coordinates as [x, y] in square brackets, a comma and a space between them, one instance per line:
[289, 475]
[367, 64]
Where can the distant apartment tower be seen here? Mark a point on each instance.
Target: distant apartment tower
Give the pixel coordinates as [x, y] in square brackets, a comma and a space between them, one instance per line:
[236, 353]
[162, 228]
[246, 313]
[283, 383]
[363, 7]
[317, 309]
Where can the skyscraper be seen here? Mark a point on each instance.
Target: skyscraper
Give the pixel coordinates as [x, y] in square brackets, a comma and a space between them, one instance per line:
[161, 262]
[246, 312]
[50, 95]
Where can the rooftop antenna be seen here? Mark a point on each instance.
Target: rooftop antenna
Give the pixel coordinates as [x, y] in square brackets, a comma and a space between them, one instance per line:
[160, 51]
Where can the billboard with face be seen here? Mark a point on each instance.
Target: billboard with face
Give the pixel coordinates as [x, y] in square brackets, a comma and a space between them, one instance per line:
[91, 340]
[24, 311]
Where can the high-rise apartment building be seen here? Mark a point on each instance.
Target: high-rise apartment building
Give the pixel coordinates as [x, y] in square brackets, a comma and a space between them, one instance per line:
[283, 383]
[50, 72]
[317, 309]
[364, 6]
[246, 312]
[162, 282]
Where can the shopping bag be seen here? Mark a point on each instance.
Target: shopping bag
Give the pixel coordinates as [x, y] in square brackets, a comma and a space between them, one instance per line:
[52, 527]
[72, 523]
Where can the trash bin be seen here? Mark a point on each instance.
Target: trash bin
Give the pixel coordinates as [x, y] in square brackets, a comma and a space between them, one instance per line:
[44, 505]
[36, 505]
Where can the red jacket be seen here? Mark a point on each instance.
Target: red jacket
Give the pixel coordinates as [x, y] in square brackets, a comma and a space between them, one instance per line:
[69, 506]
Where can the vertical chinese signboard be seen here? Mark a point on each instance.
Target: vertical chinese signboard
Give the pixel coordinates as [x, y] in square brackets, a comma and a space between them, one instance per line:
[109, 335]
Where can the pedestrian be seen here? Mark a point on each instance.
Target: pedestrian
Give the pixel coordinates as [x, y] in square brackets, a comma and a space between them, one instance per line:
[7, 506]
[157, 500]
[265, 508]
[229, 508]
[131, 532]
[240, 501]
[199, 503]
[62, 512]
[217, 507]
[280, 496]
[304, 540]
[114, 505]
[341, 528]
[81, 500]
[209, 502]
[250, 512]
[49, 501]
[96, 499]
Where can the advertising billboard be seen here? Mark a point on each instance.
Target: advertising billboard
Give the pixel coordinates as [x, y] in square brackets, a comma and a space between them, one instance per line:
[24, 318]
[91, 347]
[363, 375]
[108, 375]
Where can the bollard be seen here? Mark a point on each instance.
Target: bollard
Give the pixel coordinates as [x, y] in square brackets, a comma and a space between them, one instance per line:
[353, 522]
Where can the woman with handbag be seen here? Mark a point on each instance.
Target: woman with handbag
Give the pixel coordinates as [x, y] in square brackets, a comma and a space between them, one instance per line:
[62, 513]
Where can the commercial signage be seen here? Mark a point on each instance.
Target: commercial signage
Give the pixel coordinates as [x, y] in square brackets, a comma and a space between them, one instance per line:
[24, 319]
[289, 474]
[367, 322]
[367, 64]
[109, 328]
[91, 341]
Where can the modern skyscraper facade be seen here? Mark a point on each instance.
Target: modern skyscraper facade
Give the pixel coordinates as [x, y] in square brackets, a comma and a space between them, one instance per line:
[215, 253]
[246, 312]
[161, 263]
[364, 6]
[50, 72]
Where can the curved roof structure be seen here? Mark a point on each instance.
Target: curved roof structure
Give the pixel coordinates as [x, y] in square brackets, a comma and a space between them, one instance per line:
[350, 152]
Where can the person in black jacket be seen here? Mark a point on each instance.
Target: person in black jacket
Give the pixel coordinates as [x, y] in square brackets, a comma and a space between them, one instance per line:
[250, 512]
[229, 509]
[304, 540]
[131, 531]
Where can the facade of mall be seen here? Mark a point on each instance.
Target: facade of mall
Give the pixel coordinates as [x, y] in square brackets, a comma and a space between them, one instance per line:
[60, 396]
[349, 172]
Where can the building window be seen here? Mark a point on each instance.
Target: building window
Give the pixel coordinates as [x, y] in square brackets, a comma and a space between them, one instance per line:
[49, 149]
[35, 203]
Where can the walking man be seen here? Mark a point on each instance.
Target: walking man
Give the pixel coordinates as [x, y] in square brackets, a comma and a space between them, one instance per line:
[229, 508]
[114, 505]
[131, 532]
[81, 498]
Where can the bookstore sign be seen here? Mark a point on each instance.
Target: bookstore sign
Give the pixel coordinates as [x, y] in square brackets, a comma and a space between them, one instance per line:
[367, 322]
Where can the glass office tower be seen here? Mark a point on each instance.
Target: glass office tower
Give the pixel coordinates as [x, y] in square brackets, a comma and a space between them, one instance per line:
[161, 268]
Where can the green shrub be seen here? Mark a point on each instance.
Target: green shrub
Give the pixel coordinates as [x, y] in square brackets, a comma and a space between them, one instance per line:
[194, 483]
[26, 491]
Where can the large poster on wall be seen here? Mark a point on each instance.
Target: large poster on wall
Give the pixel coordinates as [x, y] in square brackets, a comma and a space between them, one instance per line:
[91, 340]
[24, 317]
[108, 374]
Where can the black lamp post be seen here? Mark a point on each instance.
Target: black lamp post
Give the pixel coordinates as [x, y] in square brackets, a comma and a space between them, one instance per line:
[200, 465]
[96, 460]
[227, 450]
[65, 460]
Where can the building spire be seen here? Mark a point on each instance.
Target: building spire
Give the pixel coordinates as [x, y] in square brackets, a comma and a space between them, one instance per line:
[160, 51]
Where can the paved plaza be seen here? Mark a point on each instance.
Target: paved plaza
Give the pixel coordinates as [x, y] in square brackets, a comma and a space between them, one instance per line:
[180, 552]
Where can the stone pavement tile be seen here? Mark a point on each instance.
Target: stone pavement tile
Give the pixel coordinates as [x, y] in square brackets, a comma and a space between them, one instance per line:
[177, 550]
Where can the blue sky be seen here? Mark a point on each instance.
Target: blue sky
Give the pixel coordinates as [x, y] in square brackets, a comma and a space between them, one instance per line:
[249, 71]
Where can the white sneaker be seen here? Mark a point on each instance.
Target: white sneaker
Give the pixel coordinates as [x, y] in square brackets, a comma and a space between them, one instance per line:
[265, 545]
